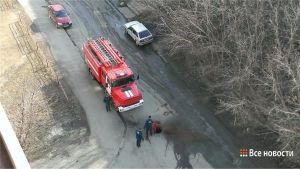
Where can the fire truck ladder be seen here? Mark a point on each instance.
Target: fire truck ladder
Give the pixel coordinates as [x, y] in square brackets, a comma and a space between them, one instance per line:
[108, 56]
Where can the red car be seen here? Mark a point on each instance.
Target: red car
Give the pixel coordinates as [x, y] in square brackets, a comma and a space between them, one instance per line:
[59, 16]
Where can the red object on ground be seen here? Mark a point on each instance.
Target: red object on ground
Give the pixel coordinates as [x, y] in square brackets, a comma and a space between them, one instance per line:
[108, 66]
[155, 127]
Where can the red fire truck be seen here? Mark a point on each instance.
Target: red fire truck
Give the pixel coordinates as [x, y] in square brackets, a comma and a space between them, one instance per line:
[108, 66]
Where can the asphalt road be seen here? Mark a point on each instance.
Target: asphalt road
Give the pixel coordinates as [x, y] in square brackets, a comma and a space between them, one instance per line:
[193, 131]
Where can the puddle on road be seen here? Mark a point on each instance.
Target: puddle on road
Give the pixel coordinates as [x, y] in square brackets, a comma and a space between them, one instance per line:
[187, 143]
[175, 132]
[88, 17]
[117, 24]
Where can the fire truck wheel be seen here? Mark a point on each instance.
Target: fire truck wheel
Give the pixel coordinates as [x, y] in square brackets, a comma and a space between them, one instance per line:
[115, 107]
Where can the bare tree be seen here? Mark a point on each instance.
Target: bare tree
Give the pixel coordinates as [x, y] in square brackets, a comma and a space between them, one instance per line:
[247, 51]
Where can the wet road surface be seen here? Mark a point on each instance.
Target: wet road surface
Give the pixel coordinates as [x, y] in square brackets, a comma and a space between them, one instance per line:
[195, 130]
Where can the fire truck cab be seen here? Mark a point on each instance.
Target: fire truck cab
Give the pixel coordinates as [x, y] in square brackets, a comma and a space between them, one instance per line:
[108, 67]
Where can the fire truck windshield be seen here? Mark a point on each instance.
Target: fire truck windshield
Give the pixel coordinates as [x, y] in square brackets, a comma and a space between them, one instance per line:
[123, 81]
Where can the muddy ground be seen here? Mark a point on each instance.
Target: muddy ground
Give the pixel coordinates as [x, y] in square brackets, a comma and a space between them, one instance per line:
[42, 108]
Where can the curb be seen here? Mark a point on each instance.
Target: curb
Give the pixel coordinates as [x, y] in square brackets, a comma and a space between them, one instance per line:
[114, 7]
[156, 50]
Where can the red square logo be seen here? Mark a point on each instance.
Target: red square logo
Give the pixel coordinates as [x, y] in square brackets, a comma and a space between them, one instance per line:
[243, 152]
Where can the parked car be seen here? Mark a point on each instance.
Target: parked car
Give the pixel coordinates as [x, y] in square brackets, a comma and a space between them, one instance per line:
[59, 16]
[139, 33]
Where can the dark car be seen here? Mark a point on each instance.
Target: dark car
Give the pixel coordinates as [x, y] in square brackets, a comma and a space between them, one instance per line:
[59, 16]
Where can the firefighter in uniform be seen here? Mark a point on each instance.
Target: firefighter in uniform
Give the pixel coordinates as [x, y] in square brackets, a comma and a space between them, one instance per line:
[139, 137]
[148, 127]
[107, 101]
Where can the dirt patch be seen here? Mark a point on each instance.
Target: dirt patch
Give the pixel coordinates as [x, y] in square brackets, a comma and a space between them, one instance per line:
[42, 108]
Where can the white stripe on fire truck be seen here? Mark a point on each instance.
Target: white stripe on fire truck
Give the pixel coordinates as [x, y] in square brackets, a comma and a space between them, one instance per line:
[127, 94]
[93, 67]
